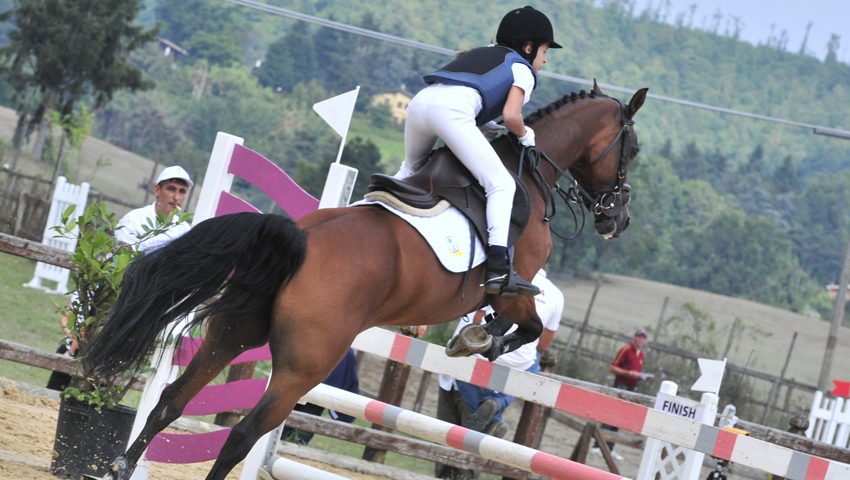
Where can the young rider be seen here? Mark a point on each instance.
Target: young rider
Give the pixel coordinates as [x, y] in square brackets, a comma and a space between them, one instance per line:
[468, 93]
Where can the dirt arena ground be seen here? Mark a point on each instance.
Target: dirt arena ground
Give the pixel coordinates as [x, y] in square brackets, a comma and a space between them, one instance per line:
[28, 425]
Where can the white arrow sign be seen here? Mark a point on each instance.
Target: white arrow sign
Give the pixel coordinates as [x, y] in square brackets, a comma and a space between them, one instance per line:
[712, 375]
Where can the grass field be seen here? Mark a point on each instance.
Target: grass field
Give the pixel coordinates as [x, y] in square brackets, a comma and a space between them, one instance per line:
[625, 304]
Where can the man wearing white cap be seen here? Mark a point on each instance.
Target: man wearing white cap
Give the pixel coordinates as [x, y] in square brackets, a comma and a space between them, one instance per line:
[170, 191]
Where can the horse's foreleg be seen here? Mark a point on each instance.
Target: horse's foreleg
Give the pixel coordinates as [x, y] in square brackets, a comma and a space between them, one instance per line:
[490, 340]
[287, 386]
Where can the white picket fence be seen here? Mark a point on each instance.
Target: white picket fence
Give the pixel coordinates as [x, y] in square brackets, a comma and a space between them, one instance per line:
[65, 195]
[829, 420]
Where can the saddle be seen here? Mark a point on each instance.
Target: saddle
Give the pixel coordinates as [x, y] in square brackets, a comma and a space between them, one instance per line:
[444, 179]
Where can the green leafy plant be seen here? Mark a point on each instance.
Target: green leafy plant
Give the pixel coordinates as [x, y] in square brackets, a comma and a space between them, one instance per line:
[100, 261]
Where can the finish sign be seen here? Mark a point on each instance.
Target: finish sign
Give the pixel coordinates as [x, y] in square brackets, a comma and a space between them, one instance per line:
[681, 407]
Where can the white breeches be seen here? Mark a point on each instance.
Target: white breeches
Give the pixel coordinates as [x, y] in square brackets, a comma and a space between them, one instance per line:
[448, 112]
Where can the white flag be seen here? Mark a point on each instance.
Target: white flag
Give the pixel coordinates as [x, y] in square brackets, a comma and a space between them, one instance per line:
[711, 375]
[337, 111]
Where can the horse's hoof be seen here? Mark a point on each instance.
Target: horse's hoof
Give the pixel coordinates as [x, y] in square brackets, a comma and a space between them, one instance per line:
[121, 469]
[470, 340]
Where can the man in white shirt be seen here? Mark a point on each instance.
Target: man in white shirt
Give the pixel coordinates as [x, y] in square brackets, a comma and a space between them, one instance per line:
[170, 191]
[480, 409]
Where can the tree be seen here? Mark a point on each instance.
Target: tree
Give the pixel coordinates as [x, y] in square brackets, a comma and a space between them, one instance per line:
[289, 60]
[748, 257]
[181, 20]
[220, 49]
[68, 50]
[821, 226]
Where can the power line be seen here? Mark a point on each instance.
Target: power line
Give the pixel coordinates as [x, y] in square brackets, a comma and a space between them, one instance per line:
[557, 76]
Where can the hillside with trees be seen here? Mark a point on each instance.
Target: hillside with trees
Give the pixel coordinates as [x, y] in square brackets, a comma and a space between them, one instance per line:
[721, 203]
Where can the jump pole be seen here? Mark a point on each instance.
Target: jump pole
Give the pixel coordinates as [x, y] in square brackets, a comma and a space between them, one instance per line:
[708, 439]
[279, 468]
[454, 436]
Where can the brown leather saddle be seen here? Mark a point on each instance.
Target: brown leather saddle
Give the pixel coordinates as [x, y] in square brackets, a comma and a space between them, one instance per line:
[444, 178]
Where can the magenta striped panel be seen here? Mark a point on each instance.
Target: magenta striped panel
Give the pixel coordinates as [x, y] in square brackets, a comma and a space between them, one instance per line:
[226, 397]
[262, 353]
[172, 448]
[228, 204]
[189, 346]
[274, 182]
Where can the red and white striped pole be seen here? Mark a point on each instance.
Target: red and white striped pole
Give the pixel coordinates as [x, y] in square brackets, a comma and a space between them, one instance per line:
[454, 436]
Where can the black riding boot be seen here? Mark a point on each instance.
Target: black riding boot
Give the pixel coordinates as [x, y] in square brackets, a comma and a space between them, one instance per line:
[499, 278]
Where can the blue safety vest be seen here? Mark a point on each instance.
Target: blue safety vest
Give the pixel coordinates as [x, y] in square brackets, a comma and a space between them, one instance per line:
[487, 70]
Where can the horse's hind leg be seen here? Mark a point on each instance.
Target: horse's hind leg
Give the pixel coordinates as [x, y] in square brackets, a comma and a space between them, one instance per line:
[212, 357]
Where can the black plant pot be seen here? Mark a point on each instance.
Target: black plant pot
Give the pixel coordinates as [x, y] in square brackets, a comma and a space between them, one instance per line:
[86, 441]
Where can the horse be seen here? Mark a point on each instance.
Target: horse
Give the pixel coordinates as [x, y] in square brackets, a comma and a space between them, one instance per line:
[309, 287]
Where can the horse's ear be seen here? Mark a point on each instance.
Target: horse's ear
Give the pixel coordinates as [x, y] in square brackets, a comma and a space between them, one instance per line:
[596, 88]
[636, 102]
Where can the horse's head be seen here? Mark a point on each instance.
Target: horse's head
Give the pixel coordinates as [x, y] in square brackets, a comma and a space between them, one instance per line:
[601, 170]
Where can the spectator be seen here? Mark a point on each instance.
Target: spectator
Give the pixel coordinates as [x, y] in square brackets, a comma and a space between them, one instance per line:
[481, 409]
[626, 367]
[170, 191]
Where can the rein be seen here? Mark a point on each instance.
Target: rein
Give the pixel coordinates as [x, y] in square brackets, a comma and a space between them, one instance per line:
[608, 202]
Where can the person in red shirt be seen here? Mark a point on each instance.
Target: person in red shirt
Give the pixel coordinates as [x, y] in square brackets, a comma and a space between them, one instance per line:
[626, 367]
[628, 363]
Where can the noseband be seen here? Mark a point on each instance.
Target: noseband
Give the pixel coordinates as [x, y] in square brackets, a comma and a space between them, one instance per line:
[608, 202]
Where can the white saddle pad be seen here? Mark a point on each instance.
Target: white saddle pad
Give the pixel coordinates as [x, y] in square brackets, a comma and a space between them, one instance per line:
[447, 233]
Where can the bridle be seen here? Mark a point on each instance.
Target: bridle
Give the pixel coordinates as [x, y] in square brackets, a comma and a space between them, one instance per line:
[608, 202]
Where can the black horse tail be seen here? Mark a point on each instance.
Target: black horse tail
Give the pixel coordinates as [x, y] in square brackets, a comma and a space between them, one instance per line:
[246, 257]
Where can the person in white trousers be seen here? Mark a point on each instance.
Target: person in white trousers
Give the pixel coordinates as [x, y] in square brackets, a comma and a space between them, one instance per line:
[459, 106]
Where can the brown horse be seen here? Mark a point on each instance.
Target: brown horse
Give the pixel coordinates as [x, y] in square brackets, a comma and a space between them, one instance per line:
[308, 288]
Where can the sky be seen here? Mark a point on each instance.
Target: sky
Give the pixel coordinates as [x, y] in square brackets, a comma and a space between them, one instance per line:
[827, 17]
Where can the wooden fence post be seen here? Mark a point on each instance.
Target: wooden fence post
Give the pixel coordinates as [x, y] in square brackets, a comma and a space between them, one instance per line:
[774, 391]
[395, 379]
[591, 432]
[731, 337]
[423, 390]
[660, 320]
[532, 422]
[583, 325]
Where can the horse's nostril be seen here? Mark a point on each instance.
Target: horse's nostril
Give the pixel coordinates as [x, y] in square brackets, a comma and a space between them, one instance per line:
[628, 221]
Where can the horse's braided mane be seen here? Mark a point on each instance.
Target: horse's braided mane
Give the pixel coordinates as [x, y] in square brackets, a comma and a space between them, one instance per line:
[570, 97]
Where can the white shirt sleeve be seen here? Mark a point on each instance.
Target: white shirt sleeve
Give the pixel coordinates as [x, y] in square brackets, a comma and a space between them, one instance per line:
[133, 227]
[130, 229]
[524, 79]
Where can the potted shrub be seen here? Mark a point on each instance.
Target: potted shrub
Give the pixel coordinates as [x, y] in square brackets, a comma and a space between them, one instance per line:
[92, 428]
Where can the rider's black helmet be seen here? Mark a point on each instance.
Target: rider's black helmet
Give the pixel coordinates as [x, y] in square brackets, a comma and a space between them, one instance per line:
[525, 23]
